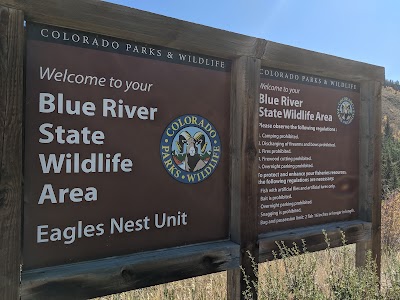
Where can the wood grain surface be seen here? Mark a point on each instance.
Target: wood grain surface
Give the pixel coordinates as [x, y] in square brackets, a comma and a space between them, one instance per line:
[244, 169]
[11, 93]
[123, 273]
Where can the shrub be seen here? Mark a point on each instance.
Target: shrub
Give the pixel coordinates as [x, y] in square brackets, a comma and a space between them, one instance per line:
[391, 222]
[296, 274]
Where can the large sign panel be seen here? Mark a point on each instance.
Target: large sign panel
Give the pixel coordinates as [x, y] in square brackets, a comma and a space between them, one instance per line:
[126, 147]
[308, 150]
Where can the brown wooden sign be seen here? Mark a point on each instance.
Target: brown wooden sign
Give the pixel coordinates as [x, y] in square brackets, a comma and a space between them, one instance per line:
[126, 147]
[141, 149]
[308, 147]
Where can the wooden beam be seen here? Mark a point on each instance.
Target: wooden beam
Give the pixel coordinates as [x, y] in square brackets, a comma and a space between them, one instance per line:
[300, 60]
[370, 169]
[362, 249]
[315, 240]
[11, 93]
[117, 274]
[244, 169]
[377, 180]
[127, 23]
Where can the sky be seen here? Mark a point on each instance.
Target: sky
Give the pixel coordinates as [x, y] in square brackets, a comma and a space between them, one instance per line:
[361, 30]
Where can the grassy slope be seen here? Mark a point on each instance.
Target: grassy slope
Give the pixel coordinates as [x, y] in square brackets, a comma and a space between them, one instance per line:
[391, 108]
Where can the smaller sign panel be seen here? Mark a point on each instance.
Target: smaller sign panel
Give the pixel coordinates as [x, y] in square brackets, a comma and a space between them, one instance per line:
[308, 150]
[126, 147]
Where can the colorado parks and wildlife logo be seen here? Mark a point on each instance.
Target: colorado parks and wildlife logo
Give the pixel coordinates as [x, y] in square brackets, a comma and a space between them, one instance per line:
[190, 149]
[345, 110]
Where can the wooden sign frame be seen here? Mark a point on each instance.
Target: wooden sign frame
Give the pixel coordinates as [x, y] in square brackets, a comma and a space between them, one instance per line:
[117, 274]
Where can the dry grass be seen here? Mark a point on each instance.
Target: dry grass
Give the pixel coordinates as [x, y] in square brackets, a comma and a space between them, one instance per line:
[310, 276]
[391, 222]
[200, 288]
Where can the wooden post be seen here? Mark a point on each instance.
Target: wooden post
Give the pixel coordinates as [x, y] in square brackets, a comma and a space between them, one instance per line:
[244, 170]
[11, 93]
[370, 170]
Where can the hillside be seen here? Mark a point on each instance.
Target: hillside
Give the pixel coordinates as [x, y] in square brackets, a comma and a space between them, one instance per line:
[391, 108]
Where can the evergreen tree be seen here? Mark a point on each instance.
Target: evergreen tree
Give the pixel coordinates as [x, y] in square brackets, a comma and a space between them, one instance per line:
[393, 84]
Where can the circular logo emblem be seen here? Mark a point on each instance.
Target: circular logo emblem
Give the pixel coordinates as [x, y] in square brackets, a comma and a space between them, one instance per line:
[190, 149]
[345, 110]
